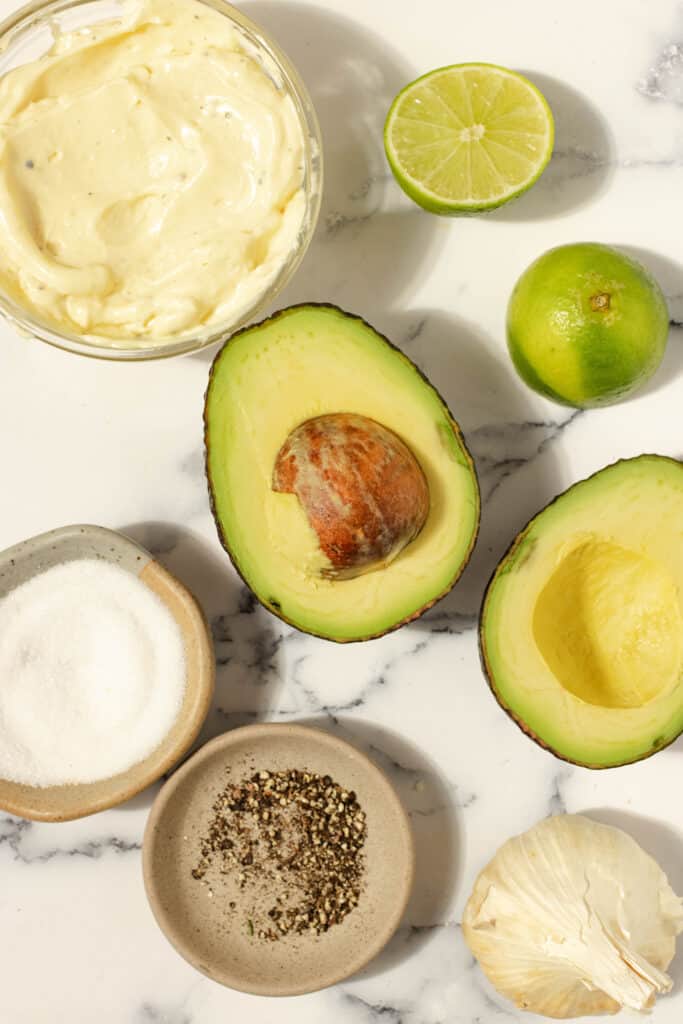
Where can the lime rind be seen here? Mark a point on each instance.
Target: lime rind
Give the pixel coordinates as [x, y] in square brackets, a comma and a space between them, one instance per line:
[568, 350]
[429, 140]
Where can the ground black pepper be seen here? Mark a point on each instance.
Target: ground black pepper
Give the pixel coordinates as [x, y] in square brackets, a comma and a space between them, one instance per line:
[300, 835]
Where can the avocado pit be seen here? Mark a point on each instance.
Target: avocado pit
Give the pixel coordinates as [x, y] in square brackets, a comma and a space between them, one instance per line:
[363, 491]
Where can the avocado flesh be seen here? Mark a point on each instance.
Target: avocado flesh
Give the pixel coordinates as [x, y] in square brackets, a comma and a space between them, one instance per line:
[582, 625]
[303, 362]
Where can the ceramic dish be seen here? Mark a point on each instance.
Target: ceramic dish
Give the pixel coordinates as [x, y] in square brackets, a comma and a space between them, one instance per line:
[29, 32]
[33, 556]
[212, 936]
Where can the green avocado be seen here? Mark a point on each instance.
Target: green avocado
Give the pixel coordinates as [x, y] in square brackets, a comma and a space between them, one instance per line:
[313, 361]
[581, 628]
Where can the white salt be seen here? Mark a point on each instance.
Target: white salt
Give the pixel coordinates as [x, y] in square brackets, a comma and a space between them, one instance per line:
[92, 674]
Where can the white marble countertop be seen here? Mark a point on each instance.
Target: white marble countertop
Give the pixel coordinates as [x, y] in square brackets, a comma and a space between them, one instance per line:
[121, 445]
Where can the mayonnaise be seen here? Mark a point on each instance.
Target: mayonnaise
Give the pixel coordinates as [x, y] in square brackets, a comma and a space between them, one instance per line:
[150, 176]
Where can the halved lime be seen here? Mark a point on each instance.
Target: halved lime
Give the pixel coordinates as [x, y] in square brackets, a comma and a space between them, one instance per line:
[468, 137]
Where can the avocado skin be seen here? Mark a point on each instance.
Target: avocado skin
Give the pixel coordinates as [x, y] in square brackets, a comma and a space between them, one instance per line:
[483, 657]
[456, 429]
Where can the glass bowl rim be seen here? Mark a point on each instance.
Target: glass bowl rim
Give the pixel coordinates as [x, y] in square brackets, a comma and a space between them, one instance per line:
[31, 15]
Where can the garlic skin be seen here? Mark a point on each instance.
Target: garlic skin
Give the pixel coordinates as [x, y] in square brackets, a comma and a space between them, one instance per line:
[573, 918]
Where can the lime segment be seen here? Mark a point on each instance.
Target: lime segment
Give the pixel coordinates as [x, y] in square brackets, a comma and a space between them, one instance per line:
[468, 137]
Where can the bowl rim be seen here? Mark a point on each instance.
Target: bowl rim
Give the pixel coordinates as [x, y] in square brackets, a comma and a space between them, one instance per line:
[307, 734]
[30, 15]
[168, 754]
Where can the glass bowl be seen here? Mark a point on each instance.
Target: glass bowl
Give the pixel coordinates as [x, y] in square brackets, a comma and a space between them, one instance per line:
[28, 33]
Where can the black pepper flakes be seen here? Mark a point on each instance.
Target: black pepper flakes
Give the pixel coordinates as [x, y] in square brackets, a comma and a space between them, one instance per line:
[302, 835]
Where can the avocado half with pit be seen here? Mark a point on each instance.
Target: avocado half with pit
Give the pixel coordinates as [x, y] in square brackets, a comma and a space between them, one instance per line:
[581, 628]
[340, 484]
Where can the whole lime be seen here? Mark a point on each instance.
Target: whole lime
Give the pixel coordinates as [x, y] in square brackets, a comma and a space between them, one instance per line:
[586, 325]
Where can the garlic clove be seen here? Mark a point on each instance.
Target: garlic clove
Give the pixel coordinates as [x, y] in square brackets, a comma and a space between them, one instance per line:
[573, 918]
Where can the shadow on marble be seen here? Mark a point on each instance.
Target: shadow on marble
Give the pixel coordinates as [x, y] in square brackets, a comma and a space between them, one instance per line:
[582, 161]
[143, 800]
[246, 641]
[512, 444]
[372, 244]
[669, 274]
[428, 799]
[662, 842]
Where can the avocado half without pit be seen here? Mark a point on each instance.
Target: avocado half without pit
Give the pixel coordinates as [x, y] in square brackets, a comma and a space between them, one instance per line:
[581, 628]
[340, 484]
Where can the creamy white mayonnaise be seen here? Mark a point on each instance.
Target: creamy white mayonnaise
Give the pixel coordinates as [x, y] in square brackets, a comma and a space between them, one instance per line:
[150, 176]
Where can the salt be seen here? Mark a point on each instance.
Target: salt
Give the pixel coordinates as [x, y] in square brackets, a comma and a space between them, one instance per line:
[92, 674]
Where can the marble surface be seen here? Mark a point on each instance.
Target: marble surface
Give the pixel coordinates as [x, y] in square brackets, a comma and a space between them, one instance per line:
[121, 446]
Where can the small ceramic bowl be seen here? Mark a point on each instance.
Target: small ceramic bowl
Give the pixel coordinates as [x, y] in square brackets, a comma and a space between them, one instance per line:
[23, 561]
[199, 920]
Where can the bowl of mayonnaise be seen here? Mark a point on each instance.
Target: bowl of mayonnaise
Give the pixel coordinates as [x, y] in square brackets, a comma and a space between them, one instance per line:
[160, 174]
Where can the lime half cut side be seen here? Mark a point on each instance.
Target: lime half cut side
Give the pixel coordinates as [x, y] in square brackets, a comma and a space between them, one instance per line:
[468, 138]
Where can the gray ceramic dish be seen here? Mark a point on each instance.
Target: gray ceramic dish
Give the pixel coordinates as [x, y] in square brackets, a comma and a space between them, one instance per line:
[33, 556]
[199, 920]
